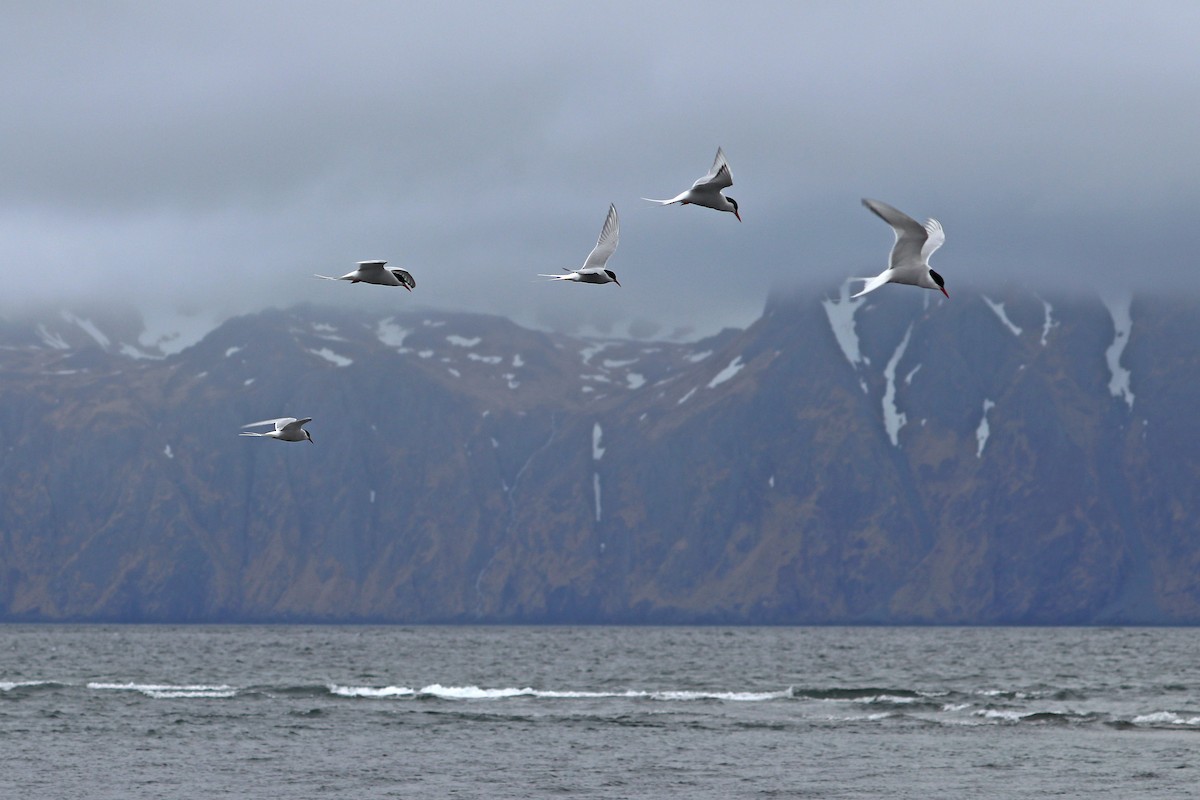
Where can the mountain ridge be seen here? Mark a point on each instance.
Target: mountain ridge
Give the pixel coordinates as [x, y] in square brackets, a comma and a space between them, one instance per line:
[997, 458]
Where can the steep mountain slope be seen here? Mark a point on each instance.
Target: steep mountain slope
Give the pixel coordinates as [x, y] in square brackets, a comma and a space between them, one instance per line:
[897, 458]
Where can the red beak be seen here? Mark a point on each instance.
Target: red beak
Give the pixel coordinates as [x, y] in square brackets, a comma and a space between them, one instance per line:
[943, 288]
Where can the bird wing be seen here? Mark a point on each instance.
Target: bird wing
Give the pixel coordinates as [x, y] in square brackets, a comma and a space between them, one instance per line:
[291, 424]
[277, 422]
[936, 237]
[910, 234]
[606, 245]
[371, 266]
[405, 278]
[719, 177]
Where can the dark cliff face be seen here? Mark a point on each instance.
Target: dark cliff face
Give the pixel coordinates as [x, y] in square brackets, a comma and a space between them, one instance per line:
[901, 458]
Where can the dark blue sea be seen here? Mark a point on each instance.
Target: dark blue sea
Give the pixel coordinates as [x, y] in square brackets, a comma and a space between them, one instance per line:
[599, 712]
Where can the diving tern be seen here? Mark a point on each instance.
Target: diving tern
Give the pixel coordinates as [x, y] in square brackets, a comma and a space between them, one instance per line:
[915, 243]
[594, 269]
[373, 272]
[707, 191]
[287, 429]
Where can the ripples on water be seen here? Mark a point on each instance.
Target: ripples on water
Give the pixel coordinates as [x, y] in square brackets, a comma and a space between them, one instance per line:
[599, 712]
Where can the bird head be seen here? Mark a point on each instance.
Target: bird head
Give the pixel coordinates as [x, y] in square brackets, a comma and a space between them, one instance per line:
[612, 276]
[733, 203]
[941, 284]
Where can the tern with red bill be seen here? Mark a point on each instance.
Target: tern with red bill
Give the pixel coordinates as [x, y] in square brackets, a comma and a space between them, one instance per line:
[287, 429]
[707, 191]
[374, 272]
[915, 243]
[594, 270]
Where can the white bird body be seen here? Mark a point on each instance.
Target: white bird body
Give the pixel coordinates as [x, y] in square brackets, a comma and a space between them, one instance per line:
[374, 272]
[287, 429]
[909, 261]
[707, 190]
[594, 269]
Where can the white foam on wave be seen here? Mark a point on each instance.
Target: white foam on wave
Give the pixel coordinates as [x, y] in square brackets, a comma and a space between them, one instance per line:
[8, 686]
[369, 691]
[1002, 715]
[480, 693]
[1165, 718]
[164, 691]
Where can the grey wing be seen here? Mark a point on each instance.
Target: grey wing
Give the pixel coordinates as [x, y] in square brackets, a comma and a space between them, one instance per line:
[291, 423]
[910, 234]
[719, 177]
[278, 422]
[936, 237]
[405, 278]
[371, 266]
[606, 245]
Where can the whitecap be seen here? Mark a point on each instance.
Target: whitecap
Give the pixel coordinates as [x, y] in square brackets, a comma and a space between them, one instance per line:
[369, 691]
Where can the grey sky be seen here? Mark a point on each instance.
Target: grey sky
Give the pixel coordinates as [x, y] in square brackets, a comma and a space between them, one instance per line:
[209, 157]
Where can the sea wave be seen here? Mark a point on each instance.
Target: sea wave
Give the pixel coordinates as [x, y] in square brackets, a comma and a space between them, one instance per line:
[166, 691]
[1169, 718]
[439, 691]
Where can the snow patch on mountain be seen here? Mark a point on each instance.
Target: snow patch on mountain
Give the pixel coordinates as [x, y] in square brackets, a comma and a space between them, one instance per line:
[1048, 324]
[840, 313]
[391, 334]
[893, 418]
[984, 430]
[998, 310]
[726, 374]
[1119, 385]
[332, 357]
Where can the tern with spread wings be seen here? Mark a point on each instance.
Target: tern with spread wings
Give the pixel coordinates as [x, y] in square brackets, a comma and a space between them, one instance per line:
[374, 272]
[287, 429]
[915, 243]
[595, 269]
[707, 191]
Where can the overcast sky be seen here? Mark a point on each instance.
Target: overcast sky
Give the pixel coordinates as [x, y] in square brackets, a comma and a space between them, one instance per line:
[208, 157]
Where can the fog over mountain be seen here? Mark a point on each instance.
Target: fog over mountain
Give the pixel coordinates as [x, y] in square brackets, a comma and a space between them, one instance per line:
[1002, 457]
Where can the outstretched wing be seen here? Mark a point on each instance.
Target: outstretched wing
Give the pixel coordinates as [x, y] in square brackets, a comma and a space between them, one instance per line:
[936, 237]
[291, 424]
[719, 177]
[405, 278]
[910, 234]
[278, 422]
[606, 245]
[371, 266]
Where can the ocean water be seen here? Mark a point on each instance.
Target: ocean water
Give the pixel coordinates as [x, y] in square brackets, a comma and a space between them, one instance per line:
[604, 712]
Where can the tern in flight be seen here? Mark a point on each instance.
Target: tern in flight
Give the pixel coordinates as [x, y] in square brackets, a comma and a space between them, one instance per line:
[373, 272]
[707, 191]
[915, 243]
[287, 429]
[594, 269]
